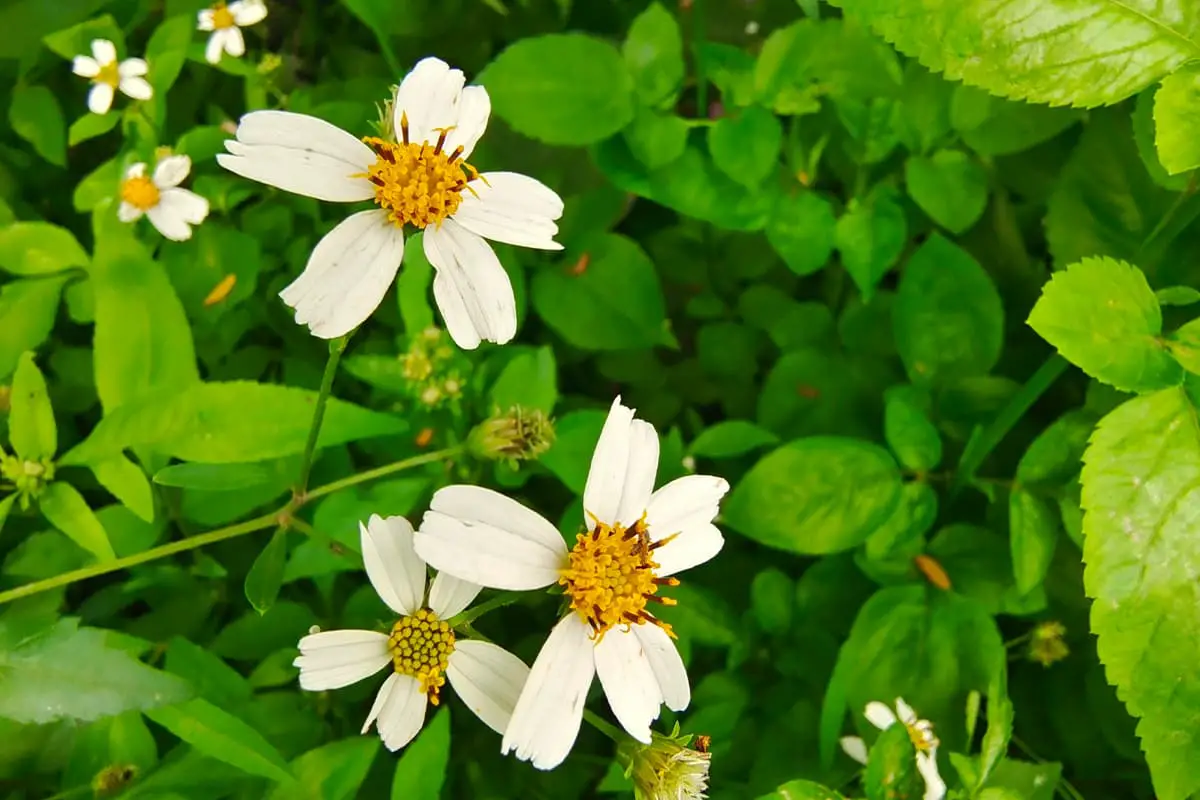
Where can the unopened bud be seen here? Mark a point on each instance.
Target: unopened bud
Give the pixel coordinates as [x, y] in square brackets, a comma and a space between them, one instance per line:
[385, 128]
[1046, 645]
[668, 768]
[518, 434]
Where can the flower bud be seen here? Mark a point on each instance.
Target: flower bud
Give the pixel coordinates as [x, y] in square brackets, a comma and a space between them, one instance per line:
[1046, 644]
[517, 435]
[667, 768]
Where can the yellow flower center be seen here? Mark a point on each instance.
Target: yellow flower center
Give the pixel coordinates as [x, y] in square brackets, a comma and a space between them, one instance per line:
[222, 17]
[140, 192]
[418, 184]
[421, 645]
[922, 736]
[109, 73]
[610, 577]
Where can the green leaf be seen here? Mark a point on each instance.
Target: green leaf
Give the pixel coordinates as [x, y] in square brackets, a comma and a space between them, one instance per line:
[166, 52]
[731, 438]
[89, 126]
[771, 599]
[1178, 296]
[575, 437]
[266, 573]
[1033, 528]
[412, 287]
[802, 790]
[39, 248]
[1101, 315]
[1062, 52]
[745, 145]
[891, 770]
[421, 771]
[1177, 121]
[656, 139]
[77, 40]
[65, 508]
[909, 432]
[334, 771]
[127, 482]
[36, 117]
[615, 303]
[993, 126]
[1019, 779]
[6, 505]
[215, 477]
[1184, 346]
[999, 727]
[949, 186]
[949, 322]
[816, 495]
[31, 426]
[27, 312]
[870, 236]
[1140, 479]
[221, 735]
[653, 53]
[98, 187]
[587, 95]
[43, 679]
[801, 229]
[529, 380]
[213, 679]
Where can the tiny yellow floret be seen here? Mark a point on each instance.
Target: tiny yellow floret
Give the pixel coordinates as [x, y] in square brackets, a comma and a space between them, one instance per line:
[418, 184]
[109, 73]
[421, 645]
[140, 192]
[222, 17]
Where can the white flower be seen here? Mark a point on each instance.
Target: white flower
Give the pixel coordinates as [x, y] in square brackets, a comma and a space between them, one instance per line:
[920, 732]
[107, 75]
[172, 210]
[424, 181]
[225, 21]
[636, 540]
[421, 649]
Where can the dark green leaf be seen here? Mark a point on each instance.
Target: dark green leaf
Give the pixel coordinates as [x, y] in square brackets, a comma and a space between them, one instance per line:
[214, 477]
[801, 230]
[1033, 526]
[266, 573]
[731, 438]
[656, 139]
[421, 771]
[910, 433]
[948, 186]
[37, 118]
[870, 236]
[745, 145]
[223, 736]
[334, 771]
[529, 380]
[575, 437]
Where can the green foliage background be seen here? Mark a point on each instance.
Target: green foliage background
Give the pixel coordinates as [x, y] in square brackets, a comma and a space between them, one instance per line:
[916, 276]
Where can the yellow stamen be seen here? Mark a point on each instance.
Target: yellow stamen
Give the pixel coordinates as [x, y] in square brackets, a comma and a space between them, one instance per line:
[421, 645]
[222, 17]
[109, 73]
[922, 736]
[416, 183]
[140, 192]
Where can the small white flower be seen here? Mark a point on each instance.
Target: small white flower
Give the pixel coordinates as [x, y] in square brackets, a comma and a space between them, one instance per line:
[424, 181]
[636, 540]
[421, 649]
[225, 22]
[107, 75]
[171, 209]
[920, 732]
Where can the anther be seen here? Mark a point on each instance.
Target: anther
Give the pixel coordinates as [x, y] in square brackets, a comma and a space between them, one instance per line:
[404, 126]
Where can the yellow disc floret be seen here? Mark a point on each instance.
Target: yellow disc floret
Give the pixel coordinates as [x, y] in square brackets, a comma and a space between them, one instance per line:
[611, 577]
[140, 192]
[109, 73]
[421, 645]
[222, 17]
[920, 732]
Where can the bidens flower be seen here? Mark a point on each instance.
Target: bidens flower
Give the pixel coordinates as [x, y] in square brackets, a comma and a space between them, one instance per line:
[421, 648]
[920, 733]
[422, 180]
[107, 75]
[667, 768]
[225, 21]
[636, 540]
[171, 209]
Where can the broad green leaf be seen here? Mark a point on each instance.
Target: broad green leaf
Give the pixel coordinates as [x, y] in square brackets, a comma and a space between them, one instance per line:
[771, 599]
[1184, 346]
[816, 495]
[870, 236]
[1177, 121]
[266, 573]
[1140, 479]
[89, 126]
[925, 109]
[421, 770]
[656, 139]
[948, 186]
[127, 482]
[891, 770]
[653, 53]
[993, 126]
[745, 145]
[1021, 780]
[214, 477]
[213, 679]
[31, 426]
[909, 432]
[802, 790]
[166, 52]
[978, 563]
[38, 248]
[801, 229]
[68, 672]
[37, 118]
[1054, 457]
[98, 187]
[731, 438]
[1101, 315]
[1033, 528]
[810, 391]
[65, 508]
[529, 380]
[575, 437]
[1178, 296]
[254, 636]
[1062, 52]
[333, 771]
[221, 735]
[27, 312]
[587, 95]
[614, 303]
[77, 40]
[949, 322]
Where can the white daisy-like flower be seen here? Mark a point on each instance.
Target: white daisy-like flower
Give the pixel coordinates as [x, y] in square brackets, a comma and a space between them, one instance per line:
[920, 732]
[226, 22]
[172, 210]
[421, 649]
[108, 75]
[423, 180]
[636, 540]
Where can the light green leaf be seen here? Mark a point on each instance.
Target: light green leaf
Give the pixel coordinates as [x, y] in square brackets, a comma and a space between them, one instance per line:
[999, 727]
[802, 790]
[215, 477]
[529, 380]
[1141, 476]
[127, 482]
[334, 771]
[653, 53]
[745, 145]
[1033, 528]
[870, 236]
[1178, 296]
[656, 139]
[1177, 121]
[266, 573]
[1062, 52]
[36, 117]
[166, 52]
[1022, 780]
[77, 40]
[89, 126]
[731, 438]
[6, 505]
[213, 679]
[65, 508]
[575, 437]
[816, 495]
[38, 248]
[31, 426]
[949, 322]
[98, 187]
[421, 771]
[801, 230]
[27, 312]
[909, 432]
[891, 770]
[1184, 346]
[1102, 316]
[587, 95]
[221, 735]
[949, 186]
[43, 679]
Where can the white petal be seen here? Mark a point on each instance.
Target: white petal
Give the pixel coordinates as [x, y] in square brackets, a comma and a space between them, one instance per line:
[176, 211]
[639, 475]
[204, 20]
[394, 568]
[127, 212]
[137, 88]
[333, 659]
[104, 51]
[474, 108]
[472, 290]
[100, 98]
[132, 68]
[301, 154]
[428, 96]
[214, 47]
[450, 595]
[234, 42]
[135, 170]
[694, 546]
[935, 787]
[905, 712]
[399, 709]
[546, 719]
[511, 208]
[488, 679]
[85, 66]
[879, 715]
[481, 536]
[854, 747]
[247, 12]
[629, 683]
[347, 275]
[171, 171]
[684, 503]
[667, 665]
[621, 475]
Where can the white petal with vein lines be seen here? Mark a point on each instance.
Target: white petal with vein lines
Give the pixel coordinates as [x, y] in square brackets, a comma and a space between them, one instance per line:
[429, 97]
[684, 503]
[610, 460]
[690, 548]
[333, 659]
[629, 683]
[393, 566]
[511, 208]
[488, 679]
[398, 711]
[450, 595]
[471, 288]
[667, 665]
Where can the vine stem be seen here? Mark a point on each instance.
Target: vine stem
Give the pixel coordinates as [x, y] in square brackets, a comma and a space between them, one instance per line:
[336, 348]
[604, 727]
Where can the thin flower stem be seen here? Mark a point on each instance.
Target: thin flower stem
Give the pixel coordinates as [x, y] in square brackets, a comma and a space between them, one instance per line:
[386, 469]
[472, 614]
[611, 731]
[336, 348]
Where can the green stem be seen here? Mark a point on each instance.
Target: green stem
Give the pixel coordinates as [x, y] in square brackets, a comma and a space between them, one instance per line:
[604, 727]
[387, 469]
[336, 348]
[472, 614]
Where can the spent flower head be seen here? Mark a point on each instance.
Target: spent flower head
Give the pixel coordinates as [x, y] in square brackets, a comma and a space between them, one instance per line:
[1046, 645]
[668, 768]
[518, 434]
